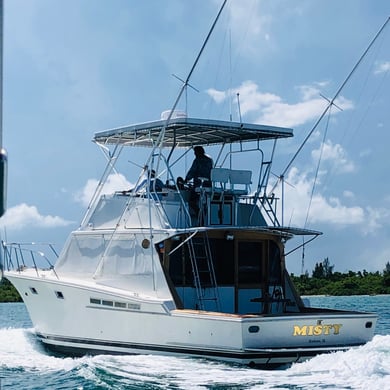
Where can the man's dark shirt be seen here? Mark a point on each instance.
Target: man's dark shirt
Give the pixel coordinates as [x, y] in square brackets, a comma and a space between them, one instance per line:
[201, 167]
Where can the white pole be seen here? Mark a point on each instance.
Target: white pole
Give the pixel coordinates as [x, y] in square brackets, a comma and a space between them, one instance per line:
[3, 153]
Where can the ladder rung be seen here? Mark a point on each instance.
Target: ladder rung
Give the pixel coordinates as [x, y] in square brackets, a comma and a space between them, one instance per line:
[203, 270]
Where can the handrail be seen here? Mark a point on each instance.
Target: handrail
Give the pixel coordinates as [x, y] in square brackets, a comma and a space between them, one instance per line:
[16, 256]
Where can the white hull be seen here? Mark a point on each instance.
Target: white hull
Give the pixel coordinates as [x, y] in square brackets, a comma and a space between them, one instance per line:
[70, 323]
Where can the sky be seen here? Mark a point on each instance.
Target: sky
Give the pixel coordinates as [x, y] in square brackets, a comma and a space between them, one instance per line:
[76, 67]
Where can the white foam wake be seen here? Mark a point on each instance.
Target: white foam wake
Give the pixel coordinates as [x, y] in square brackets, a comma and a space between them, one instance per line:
[366, 367]
[19, 348]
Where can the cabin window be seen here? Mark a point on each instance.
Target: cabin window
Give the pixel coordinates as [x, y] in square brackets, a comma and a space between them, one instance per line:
[249, 262]
[222, 253]
[134, 306]
[59, 295]
[180, 269]
[95, 301]
[33, 290]
[82, 256]
[275, 272]
[223, 257]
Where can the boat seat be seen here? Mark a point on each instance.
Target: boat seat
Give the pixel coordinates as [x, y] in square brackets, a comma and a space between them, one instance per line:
[240, 181]
[219, 179]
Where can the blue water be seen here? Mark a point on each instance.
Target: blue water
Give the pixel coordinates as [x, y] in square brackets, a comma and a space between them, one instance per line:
[24, 364]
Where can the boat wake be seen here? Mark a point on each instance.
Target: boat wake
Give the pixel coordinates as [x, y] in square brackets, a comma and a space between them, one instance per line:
[23, 362]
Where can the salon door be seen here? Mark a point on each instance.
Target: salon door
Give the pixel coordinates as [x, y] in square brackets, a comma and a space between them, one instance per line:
[249, 276]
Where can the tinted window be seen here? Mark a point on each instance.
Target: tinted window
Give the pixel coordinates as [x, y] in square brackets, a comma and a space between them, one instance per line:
[249, 262]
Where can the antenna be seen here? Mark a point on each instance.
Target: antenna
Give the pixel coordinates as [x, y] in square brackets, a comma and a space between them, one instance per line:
[230, 78]
[239, 106]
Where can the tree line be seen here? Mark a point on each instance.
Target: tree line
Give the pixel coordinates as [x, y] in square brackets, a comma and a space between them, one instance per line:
[8, 292]
[324, 281]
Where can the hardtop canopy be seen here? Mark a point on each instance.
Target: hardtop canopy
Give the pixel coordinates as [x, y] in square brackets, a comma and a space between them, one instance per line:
[188, 132]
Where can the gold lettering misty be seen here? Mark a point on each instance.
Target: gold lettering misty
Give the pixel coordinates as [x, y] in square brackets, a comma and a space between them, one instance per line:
[317, 330]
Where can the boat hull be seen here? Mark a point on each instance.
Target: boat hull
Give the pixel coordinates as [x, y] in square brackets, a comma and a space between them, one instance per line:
[92, 319]
[266, 358]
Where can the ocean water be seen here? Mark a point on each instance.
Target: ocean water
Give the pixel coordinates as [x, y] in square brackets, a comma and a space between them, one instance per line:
[24, 364]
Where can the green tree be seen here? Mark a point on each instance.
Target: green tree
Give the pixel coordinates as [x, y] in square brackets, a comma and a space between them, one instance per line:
[325, 281]
[8, 292]
[386, 276]
[318, 271]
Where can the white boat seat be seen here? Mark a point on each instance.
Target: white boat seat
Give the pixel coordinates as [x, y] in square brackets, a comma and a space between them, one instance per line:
[240, 181]
[219, 179]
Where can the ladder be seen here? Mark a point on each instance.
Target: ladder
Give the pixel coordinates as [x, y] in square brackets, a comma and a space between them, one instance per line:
[203, 270]
[266, 201]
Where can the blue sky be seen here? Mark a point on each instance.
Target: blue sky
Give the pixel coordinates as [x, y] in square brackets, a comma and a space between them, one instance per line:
[72, 68]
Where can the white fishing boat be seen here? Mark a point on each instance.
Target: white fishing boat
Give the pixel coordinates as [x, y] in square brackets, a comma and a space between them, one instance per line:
[144, 274]
[170, 268]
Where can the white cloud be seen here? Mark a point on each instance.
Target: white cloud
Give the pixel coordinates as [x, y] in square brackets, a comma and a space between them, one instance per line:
[310, 91]
[292, 115]
[382, 67]
[348, 194]
[271, 109]
[217, 96]
[374, 217]
[24, 216]
[336, 155]
[257, 25]
[115, 182]
[251, 99]
[326, 210]
[322, 210]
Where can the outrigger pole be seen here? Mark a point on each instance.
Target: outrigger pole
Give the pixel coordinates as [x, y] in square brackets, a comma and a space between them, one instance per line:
[3, 153]
[331, 103]
[187, 80]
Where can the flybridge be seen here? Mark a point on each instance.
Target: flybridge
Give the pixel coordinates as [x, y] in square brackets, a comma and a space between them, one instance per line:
[187, 132]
